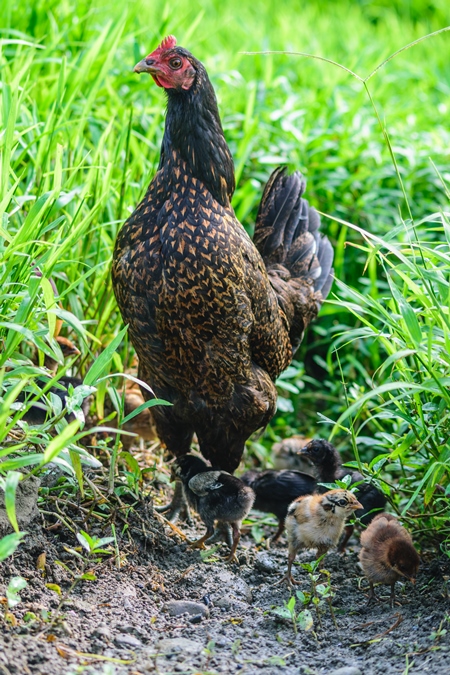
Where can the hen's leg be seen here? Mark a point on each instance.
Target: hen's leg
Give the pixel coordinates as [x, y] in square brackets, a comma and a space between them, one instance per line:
[177, 438]
[177, 507]
[222, 532]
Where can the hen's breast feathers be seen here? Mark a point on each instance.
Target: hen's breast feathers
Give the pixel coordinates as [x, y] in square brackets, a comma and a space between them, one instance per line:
[190, 270]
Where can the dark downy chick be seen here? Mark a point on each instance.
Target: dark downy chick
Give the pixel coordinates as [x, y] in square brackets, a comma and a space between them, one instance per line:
[38, 411]
[216, 496]
[287, 455]
[328, 464]
[275, 490]
[387, 554]
[317, 521]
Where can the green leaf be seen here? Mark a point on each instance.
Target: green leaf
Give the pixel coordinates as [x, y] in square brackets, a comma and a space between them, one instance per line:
[103, 361]
[305, 620]
[144, 406]
[13, 589]
[86, 541]
[54, 587]
[60, 442]
[10, 487]
[9, 544]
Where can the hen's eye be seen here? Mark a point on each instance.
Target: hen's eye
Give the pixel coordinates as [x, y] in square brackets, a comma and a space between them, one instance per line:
[175, 63]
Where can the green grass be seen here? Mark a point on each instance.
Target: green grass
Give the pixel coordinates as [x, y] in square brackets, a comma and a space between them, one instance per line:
[80, 136]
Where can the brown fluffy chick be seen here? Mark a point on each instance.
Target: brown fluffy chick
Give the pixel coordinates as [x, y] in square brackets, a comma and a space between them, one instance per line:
[317, 521]
[387, 554]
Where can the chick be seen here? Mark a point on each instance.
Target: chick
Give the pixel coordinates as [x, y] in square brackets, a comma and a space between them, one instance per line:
[317, 521]
[327, 462]
[275, 490]
[67, 348]
[217, 496]
[37, 413]
[287, 455]
[387, 554]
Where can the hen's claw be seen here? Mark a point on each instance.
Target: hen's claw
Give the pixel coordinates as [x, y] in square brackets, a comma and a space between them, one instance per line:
[178, 507]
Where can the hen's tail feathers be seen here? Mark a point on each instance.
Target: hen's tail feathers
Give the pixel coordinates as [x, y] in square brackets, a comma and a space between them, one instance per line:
[287, 234]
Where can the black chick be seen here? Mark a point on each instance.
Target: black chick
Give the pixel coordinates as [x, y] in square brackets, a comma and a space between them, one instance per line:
[286, 454]
[38, 411]
[327, 461]
[217, 496]
[275, 490]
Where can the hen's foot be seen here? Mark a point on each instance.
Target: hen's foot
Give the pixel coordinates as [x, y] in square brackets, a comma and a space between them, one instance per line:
[178, 507]
[222, 533]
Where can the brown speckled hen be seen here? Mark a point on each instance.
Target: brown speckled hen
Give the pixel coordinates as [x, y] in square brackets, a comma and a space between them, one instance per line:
[214, 316]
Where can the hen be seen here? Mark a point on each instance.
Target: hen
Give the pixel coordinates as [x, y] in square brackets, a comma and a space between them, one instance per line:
[214, 316]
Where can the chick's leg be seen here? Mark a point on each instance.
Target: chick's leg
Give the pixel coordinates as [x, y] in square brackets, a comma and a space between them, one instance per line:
[236, 537]
[288, 578]
[200, 543]
[372, 597]
[348, 531]
[392, 598]
[278, 533]
[223, 532]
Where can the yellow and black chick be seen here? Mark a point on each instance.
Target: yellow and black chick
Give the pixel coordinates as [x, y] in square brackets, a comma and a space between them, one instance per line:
[217, 496]
[387, 554]
[328, 465]
[317, 521]
[275, 490]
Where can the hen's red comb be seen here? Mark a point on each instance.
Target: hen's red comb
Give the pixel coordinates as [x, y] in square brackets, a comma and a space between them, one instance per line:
[169, 42]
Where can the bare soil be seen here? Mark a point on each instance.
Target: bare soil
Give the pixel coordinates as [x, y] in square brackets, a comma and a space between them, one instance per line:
[125, 621]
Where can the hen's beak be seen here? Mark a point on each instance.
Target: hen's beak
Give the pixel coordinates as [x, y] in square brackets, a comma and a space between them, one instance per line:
[145, 66]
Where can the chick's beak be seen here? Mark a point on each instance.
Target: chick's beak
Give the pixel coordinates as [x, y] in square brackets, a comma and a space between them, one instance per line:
[357, 506]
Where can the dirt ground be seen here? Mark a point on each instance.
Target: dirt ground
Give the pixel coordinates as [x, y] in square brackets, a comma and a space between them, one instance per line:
[135, 620]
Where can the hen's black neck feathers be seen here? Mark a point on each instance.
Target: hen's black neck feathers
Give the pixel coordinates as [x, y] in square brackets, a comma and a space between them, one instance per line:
[194, 131]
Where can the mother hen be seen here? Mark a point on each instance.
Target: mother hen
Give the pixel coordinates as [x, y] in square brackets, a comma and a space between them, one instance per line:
[214, 316]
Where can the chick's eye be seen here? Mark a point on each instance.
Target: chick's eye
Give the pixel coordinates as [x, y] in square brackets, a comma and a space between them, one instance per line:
[175, 63]
[342, 502]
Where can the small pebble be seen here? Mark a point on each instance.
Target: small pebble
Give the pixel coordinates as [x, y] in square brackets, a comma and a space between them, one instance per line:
[346, 670]
[127, 641]
[178, 607]
[265, 563]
